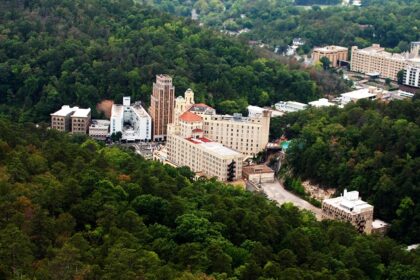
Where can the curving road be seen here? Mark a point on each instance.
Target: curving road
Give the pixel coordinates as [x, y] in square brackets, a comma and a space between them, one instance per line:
[276, 192]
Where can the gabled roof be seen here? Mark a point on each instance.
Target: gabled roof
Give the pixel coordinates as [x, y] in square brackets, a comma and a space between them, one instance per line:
[190, 117]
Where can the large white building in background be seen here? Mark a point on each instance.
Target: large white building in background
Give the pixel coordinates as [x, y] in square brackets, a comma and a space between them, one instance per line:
[290, 106]
[412, 76]
[132, 120]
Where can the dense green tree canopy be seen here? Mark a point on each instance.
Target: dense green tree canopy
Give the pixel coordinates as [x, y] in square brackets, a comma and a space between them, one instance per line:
[81, 52]
[392, 23]
[81, 215]
[369, 147]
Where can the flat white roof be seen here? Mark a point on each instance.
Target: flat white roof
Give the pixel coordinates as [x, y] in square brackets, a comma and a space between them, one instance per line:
[117, 110]
[81, 113]
[330, 48]
[379, 224]
[349, 202]
[64, 111]
[214, 147]
[100, 124]
[140, 111]
[323, 102]
[358, 94]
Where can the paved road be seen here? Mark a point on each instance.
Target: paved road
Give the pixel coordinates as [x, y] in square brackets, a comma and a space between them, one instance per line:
[275, 191]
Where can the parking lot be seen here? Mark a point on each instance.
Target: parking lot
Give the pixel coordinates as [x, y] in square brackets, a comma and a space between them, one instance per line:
[145, 149]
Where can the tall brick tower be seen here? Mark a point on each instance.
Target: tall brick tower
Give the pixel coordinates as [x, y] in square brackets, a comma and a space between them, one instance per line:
[162, 104]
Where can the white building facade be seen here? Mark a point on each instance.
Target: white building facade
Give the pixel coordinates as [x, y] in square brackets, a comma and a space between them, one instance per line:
[132, 121]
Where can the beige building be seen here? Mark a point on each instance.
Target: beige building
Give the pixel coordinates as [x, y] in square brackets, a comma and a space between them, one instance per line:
[187, 146]
[72, 119]
[162, 105]
[334, 53]
[80, 121]
[61, 120]
[349, 207]
[376, 61]
[258, 173]
[247, 135]
[99, 129]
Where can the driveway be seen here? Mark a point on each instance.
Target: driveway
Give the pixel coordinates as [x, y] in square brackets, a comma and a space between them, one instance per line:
[276, 192]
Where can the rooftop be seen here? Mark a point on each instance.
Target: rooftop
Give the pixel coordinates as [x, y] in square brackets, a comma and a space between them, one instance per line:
[200, 108]
[379, 224]
[330, 49]
[359, 94]
[139, 110]
[117, 109]
[322, 102]
[214, 147]
[81, 113]
[377, 50]
[350, 202]
[100, 123]
[257, 169]
[190, 117]
[64, 111]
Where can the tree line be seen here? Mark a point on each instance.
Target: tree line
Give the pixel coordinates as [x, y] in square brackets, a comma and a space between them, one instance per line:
[72, 208]
[81, 52]
[371, 147]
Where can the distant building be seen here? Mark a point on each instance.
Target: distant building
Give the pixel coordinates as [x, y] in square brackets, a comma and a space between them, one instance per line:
[374, 60]
[61, 120]
[255, 111]
[322, 102]
[380, 227]
[290, 106]
[99, 129]
[187, 146]
[370, 93]
[411, 76]
[335, 54]
[80, 121]
[258, 173]
[132, 121]
[162, 104]
[349, 207]
[72, 119]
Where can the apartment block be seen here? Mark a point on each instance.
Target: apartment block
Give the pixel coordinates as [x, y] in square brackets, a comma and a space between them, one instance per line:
[411, 76]
[162, 105]
[335, 54]
[376, 61]
[349, 207]
[248, 135]
[187, 146]
[132, 120]
[61, 120]
[80, 121]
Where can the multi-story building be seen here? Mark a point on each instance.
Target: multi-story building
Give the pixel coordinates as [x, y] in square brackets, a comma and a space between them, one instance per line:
[80, 121]
[411, 76]
[370, 93]
[187, 146]
[376, 61]
[335, 54]
[247, 135]
[290, 106]
[61, 120]
[349, 207]
[162, 105]
[99, 129]
[183, 103]
[132, 120]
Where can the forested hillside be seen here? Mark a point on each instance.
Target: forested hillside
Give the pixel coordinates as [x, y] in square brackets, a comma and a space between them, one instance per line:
[83, 51]
[391, 23]
[370, 147]
[73, 209]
